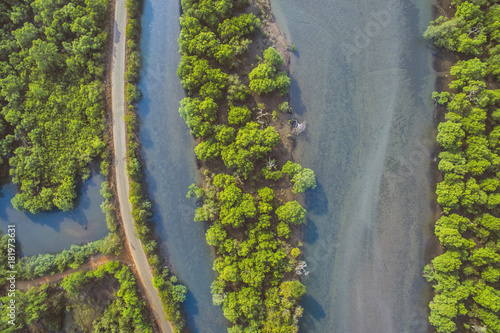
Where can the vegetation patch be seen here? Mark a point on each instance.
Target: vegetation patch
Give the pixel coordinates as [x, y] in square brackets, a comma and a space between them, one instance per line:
[52, 67]
[466, 276]
[244, 196]
[102, 300]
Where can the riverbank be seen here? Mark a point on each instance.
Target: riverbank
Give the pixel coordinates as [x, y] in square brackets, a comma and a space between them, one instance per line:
[127, 178]
[442, 62]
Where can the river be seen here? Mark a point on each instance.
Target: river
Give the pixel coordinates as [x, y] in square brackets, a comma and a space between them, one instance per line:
[170, 165]
[362, 78]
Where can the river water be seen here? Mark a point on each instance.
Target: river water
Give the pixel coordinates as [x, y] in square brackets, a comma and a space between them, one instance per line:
[170, 165]
[55, 231]
[362, 78]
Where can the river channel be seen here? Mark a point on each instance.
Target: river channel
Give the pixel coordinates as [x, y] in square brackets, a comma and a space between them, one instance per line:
[362, 78]
[170, 164]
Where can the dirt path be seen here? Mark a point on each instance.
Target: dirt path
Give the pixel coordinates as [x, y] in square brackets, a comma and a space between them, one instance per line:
[122, 185]
[92, 264]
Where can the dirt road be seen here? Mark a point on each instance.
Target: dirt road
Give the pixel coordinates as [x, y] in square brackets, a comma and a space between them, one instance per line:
[118, 107]
[93, 263]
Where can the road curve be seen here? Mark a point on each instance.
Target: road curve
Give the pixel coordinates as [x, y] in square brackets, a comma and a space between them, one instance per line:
[120, 146]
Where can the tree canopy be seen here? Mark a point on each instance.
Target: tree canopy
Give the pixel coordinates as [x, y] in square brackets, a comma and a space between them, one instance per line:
[51, 97]
[465, 277]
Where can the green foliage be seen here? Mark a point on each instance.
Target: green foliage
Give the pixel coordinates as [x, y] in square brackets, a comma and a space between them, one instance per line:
[30, 308]
[75, 283]
[207, 150]
[52, 98]
[280, 302]
[302, 178]
[462, 33]
[291, 212]
[251, 144]
[266, 194]
[252, 255]
[44, 264]
[236, 91]
[199, 115]
[272, 175]
[443, 311]
[283, 230]
[45, 308]
[285, 107]
[466, 276]
[441, 98]
[450, 191]
[450, 135]
[238, 115]
[265, 78]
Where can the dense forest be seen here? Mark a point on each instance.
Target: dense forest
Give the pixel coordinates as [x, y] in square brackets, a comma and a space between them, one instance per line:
[466, 276]
[52, 67]
[246, 195]
[103, 300]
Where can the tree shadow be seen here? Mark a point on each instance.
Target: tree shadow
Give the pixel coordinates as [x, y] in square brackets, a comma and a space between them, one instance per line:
[296, 97]
[312, 308]
[311, 234]
[316, 200]
[191, 308]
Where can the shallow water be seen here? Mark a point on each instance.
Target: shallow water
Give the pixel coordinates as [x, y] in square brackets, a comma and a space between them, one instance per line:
[170, 164]
[50, 232]
[361, 79]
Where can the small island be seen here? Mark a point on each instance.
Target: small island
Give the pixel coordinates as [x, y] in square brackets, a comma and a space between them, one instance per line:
[238, 110]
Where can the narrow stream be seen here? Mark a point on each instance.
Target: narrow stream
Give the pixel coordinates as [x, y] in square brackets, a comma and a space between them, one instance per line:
[361, 78]
[170, 164]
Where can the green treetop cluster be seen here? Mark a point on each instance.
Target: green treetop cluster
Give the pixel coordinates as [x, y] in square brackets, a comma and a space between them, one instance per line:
[102, 300]
[51, 96]
[265, 78]
[466, 277]
[249, 225]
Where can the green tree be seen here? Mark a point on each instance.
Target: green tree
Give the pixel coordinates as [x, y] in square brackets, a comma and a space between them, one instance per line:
[450, 135]
[291, 212]
[238, 115]
[302, 178]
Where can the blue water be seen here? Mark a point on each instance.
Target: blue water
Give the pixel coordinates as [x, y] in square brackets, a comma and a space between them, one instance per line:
[55, 231]
[170, 165]
[362, 78]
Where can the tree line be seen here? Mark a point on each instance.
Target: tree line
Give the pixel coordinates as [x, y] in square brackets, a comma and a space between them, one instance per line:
[466, 276]
[251, 223]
